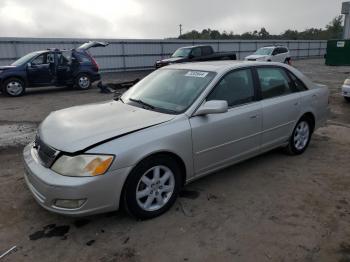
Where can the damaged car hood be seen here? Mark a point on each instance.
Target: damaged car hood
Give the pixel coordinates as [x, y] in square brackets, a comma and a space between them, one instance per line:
[76, 128]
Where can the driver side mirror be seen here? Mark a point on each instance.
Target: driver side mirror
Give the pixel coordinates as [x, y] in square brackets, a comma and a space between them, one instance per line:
[190, 56]
[212, 107]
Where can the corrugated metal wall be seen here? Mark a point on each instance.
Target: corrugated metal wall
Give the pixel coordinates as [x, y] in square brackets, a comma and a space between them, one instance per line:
[129, 54]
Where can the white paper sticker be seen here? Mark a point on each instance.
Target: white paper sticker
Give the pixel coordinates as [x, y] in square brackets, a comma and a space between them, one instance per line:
[340, 43]
[196, 74]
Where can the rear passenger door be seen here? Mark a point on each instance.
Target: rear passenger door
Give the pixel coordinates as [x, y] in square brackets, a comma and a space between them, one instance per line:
[222, 139]
[280, 105]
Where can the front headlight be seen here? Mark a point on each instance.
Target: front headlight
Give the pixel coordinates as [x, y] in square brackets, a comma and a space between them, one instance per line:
[1, 71]
[347, 82]
[82, 165]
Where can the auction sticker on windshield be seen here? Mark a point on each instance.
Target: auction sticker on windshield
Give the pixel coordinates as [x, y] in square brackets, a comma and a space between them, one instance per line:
[196, 74]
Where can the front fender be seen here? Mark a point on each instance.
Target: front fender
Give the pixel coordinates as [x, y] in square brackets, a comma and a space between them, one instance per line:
[173, 137]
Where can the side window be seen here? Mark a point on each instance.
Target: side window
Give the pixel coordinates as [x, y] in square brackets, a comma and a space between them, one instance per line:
[197, 52]
[297, 83]
[275, 51]
[274, 82]
[83, 59]
[63, 58]
[236, 88]
[40, 60]
[284, 50]
[50, 58]
[206, 50]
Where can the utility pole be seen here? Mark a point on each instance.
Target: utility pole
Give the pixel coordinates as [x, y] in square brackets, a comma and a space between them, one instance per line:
[180, 28]
[346, 11]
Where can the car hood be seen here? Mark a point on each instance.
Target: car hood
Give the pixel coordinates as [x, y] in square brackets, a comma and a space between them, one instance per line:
[77, 128]
[6, 67]
[256, 56]
[171, 60]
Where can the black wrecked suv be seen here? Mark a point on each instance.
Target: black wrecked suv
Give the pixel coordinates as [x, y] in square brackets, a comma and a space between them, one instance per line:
[51, 67]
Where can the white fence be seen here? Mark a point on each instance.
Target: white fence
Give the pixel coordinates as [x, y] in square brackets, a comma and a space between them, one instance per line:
[130, 54]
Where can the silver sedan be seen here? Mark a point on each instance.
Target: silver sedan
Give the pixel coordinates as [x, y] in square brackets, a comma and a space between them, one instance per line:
[178, 124]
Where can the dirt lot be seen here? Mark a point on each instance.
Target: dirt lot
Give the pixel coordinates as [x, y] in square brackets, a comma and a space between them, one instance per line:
[271, 208]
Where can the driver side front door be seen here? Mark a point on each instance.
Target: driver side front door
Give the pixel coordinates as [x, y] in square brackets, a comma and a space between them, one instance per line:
[39, 71]
[222, 139]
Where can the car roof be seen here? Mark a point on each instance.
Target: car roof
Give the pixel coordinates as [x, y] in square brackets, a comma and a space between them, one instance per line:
[219, 66]
[274, 46]
[192, 46]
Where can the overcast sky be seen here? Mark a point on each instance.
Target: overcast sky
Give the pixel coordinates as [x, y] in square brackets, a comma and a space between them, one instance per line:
[158, 18]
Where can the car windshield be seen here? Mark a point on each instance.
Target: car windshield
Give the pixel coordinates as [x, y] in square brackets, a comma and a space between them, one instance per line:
[168, 90]
[25, 59]
[182, 52]
[264, 51]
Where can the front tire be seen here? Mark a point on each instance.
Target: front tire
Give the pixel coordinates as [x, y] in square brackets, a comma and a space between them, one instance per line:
[300, 138]
[13, 87]
[152, 187]
[83, 82]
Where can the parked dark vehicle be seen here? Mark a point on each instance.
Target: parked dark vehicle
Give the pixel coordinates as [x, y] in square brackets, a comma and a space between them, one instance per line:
[51, 67]
[195, 54]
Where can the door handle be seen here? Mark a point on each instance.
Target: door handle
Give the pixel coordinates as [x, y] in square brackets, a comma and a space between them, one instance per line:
[253, 117]
[296, 103]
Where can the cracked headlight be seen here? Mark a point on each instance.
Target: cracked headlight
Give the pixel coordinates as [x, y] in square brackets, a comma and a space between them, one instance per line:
[83, 165]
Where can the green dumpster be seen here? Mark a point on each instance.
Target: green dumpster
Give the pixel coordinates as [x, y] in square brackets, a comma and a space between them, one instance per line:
[338, 52]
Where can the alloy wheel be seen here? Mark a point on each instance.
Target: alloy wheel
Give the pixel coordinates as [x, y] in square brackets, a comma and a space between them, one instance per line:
[301, 135]
[155, 188]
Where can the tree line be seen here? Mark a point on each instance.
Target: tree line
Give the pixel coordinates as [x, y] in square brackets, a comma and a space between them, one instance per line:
[333, 30]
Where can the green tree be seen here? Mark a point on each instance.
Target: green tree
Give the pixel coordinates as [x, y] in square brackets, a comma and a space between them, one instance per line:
[263, 34]
[335, 27]
[332, 30]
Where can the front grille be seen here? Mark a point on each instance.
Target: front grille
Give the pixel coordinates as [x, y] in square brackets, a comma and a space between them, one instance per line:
[47, 155]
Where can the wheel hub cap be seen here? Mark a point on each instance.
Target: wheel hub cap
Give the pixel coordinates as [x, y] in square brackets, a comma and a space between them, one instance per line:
[301, 135]
[84, 82]
[14, 88]
[155, 188]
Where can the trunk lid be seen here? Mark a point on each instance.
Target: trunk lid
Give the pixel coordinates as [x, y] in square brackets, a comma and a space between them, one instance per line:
[91, 44]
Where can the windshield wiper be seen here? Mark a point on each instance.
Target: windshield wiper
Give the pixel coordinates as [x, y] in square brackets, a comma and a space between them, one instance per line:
[141, 102]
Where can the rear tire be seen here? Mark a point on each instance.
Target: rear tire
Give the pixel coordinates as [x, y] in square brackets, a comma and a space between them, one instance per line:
[13, 87]
[347, 99]
[287, 61]
[152, 187]
[83, 81]
[300, 138]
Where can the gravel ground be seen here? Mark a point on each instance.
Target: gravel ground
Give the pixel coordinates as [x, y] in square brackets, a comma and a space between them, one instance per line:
[270, 208]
